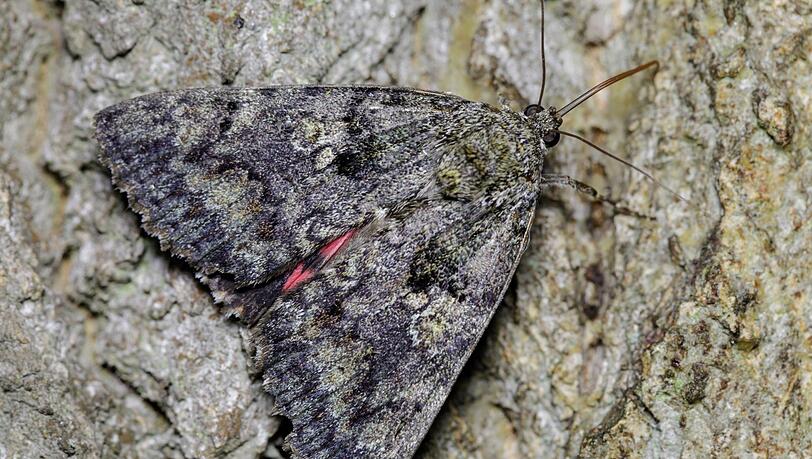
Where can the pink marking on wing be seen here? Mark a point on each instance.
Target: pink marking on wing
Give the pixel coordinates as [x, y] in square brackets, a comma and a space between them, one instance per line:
[301, 274]
[297, 277]
[329, 250]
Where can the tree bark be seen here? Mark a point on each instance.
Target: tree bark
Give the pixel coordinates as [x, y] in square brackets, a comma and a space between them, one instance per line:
[688, 334]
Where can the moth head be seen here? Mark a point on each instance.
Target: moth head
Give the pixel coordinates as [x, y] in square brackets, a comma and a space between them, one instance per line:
[546, 121]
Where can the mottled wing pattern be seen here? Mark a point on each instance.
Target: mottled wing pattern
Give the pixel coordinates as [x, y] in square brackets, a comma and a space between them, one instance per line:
[362, 357]
[422, 202]
[242, 183]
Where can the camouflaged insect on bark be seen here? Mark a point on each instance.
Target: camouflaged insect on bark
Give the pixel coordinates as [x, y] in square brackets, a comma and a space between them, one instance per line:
[431, 197]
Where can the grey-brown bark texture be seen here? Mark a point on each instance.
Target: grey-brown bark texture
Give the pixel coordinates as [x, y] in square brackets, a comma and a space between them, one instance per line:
[690, 335]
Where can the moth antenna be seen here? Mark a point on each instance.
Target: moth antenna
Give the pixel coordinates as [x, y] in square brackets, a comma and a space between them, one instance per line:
[543, 62]
[603, 85]
[623, 161]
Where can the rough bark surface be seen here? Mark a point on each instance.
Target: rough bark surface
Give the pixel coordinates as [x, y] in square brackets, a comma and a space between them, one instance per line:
[689, 335]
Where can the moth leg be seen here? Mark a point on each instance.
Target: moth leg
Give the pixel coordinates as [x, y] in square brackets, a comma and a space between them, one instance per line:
[504, 102]
[565, 181]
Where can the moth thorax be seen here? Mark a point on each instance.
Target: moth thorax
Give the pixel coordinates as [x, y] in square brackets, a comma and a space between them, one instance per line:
[487, 160]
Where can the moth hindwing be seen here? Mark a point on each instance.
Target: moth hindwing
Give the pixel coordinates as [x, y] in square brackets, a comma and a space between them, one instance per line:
[365, 234]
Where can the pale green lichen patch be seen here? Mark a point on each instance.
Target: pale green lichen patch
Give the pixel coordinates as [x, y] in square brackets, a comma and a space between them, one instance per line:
[348, 361]
[324, 158]
[776, 116]
[434, 324]
[449, 179]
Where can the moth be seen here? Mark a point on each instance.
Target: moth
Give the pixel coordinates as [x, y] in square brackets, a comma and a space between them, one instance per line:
[365, 234]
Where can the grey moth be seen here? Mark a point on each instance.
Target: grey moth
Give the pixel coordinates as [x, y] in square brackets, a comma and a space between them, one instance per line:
[365, 234]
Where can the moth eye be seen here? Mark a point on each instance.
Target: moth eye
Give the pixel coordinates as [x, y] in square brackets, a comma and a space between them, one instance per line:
[551, 139]
[531, 110]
